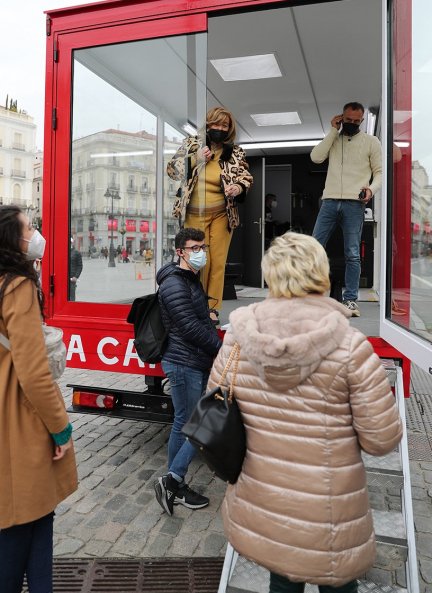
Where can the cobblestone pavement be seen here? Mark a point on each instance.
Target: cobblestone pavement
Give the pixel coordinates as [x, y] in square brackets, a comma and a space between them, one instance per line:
[114, 512]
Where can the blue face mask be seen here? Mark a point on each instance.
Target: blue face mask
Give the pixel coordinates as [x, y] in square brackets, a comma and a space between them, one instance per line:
[197, 260]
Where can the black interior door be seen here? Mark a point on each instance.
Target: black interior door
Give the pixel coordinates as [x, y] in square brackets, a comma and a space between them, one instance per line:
[253, 225]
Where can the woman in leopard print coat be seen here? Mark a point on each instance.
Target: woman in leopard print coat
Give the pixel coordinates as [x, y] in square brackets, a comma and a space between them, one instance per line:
[214, 177]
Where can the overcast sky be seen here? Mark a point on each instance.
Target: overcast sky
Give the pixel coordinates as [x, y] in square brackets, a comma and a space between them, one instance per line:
[22, 54]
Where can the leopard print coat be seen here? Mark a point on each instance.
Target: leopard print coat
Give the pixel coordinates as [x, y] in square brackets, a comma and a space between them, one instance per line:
[234, 169]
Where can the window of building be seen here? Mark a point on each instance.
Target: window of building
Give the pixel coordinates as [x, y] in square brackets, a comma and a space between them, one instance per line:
[17, 192]
[18, 141]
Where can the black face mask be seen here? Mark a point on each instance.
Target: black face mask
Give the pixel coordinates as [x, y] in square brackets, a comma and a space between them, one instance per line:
[217, 136]
[349, 129]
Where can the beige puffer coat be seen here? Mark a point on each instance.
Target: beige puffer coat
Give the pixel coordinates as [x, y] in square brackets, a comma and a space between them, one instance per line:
[312, 394]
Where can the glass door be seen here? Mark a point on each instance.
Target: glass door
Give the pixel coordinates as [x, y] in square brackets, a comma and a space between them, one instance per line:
[132, 102]
[406, 316]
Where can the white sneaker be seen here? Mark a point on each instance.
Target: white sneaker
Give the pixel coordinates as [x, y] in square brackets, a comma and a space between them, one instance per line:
[352, 307]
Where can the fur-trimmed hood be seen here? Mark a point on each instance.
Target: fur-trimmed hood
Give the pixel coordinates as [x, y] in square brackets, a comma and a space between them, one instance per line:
[286, 339]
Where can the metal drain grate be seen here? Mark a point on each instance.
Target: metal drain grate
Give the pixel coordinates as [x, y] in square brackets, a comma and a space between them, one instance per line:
[419, 447]
[177, 575]
[414, 415]
[419, 413]
[421, 381]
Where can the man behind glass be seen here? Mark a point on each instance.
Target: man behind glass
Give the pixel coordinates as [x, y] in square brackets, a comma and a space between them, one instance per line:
[354, 160]
[75, 269]
[193, 343]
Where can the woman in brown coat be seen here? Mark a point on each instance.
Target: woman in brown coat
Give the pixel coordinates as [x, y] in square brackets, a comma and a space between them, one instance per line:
[313, 395]
[37, 464]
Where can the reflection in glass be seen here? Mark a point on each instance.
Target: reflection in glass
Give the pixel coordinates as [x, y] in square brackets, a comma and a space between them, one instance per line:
[120, 143]
[411, 295]
[172, 142]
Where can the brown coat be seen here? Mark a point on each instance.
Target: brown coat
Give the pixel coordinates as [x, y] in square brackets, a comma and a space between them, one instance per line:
[31, 407]
[312, 395]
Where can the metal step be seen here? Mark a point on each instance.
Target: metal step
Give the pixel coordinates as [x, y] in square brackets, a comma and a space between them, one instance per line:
[248, 577]
[392, 547]
[384, 478]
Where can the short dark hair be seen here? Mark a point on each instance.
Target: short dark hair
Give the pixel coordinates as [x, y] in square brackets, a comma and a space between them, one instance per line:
[354, 105]
[188, 234]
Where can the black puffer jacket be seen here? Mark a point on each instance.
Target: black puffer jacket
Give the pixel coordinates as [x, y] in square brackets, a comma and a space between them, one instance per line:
[76, 264]
[193, 340]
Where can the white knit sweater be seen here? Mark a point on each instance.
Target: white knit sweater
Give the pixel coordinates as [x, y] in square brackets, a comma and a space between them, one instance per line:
[353, 161]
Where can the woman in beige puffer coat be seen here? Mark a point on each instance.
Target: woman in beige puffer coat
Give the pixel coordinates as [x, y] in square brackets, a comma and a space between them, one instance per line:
[313, 395]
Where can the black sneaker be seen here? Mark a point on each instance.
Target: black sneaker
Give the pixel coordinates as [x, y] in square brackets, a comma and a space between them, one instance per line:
[166, 488]
[190, 499]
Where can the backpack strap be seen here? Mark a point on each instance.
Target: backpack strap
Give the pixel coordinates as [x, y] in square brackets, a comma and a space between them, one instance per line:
[4, 342]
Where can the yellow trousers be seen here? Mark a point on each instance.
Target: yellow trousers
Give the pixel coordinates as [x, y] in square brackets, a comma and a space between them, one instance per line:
[218, 238]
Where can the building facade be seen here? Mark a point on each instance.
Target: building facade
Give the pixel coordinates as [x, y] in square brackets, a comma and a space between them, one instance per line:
[113, 192]
[17, 151]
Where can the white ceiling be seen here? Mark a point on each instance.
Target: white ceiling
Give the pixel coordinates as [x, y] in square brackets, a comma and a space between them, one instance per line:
[329, 53]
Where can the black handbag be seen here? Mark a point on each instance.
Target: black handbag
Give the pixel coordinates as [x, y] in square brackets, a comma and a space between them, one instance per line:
[216, 427]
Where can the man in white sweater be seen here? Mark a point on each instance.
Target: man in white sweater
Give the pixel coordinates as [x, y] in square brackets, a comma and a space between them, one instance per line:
[354, 175]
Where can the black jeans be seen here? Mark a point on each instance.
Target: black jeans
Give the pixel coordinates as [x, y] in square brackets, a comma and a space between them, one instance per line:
[27, 550]
[279, 584]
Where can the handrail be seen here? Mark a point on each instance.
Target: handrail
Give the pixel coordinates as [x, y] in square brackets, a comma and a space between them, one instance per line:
[407, 509]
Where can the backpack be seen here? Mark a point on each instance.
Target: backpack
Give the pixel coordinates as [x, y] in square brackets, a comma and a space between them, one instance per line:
[150, 333]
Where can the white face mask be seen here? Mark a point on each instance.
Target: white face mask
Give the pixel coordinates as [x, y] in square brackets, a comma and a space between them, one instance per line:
[274, 204]
[36, 246]
[198, 260]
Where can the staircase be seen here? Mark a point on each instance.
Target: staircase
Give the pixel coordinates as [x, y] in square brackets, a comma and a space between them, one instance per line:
[389, 483]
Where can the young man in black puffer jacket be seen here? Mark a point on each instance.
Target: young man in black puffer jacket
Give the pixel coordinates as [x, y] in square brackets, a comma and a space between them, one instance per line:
[193, 342]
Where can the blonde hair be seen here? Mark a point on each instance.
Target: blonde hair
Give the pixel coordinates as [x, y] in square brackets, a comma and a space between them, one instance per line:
[217, 116]
[296, 265]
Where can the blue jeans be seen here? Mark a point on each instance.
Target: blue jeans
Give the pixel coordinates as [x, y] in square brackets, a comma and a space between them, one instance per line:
[187, 387]
[280, 584]
[27, 549]
[349, 214]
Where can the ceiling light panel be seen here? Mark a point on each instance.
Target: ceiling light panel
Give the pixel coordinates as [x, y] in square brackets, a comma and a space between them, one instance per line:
[247, 67]
[276, 119]
[282, 144]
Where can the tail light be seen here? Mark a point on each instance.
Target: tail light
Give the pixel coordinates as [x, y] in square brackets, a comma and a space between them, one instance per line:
[93, 400]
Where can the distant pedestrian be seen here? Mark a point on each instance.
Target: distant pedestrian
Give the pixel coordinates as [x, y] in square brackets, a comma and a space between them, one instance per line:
[148, 258]
[75, 269]
[37, 464]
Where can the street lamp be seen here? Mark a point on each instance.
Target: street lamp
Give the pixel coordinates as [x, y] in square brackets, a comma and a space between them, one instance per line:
[122, 229]
[114, 195]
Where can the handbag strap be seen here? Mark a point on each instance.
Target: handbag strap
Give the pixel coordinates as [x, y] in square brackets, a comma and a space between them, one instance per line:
[234, 357]
[4, 342]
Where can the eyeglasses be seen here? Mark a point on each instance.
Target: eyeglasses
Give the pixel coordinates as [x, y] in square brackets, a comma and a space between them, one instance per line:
[197, 248]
